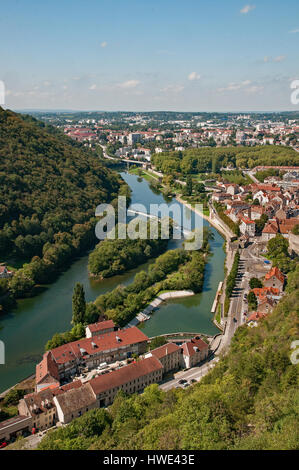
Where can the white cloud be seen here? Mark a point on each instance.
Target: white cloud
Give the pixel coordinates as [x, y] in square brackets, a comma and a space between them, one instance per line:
[246, 9]
[279, 58]
[235, 86]
[173, 89]
[93, 86]
[254, 89]
[294, 31]
[129, 84]
[104, 44]
[193, 76]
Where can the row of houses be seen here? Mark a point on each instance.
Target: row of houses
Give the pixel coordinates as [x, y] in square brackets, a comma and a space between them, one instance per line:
[267, 296]
[246, 204]
[59, 404]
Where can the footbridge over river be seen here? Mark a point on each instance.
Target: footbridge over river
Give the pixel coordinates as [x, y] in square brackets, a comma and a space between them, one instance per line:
[183, 230]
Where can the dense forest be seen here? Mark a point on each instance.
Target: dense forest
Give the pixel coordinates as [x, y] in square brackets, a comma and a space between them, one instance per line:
[248, 401]
[50, 187]
[111, 257]
[209, 159]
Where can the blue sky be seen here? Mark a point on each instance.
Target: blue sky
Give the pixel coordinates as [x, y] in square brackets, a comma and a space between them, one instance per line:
[191, 55]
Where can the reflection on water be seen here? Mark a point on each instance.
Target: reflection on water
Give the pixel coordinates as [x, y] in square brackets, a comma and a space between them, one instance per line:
[35, 320]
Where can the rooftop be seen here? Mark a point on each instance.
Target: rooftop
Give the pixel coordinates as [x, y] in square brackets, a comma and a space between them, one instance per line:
[76, 399]
[99, 326]
[88, 346]
[126, 374]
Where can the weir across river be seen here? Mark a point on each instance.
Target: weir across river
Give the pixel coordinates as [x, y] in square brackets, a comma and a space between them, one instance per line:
[152, 216]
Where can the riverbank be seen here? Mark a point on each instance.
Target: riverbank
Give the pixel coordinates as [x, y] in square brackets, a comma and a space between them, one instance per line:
[27, 329]
[144, 315]
[224, 231]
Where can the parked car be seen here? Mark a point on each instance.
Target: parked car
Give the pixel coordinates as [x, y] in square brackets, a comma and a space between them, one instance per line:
[182, 381]
[3, 444]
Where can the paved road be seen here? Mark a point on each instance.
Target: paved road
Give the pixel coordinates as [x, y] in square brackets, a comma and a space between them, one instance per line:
[194, 373]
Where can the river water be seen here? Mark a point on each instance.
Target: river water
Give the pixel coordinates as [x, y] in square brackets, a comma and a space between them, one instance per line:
[26, 330]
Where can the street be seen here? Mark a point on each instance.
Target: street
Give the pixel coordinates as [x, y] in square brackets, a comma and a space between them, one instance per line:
[194, 373]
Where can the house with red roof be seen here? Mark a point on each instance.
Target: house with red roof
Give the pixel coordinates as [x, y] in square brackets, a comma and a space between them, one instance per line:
[270, 230]
[40, 406]
[100, 328]
[131, 379]
[262, 293]
[247, 226]
[67, 360]
[194, 352]
[170, 356]
[254, 318]
[275, 279]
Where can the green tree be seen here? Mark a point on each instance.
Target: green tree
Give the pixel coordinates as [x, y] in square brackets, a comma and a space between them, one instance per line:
[252, 301]
[78, 304]
[255, 282]
[189, 186]
[157, 342]
[91, 313]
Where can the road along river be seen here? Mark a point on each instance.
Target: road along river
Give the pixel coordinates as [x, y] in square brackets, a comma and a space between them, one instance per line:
[26, 330]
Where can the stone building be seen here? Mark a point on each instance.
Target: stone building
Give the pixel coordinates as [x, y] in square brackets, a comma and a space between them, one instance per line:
[131, 379]
[75, 403]
[170, 356]
[194, 352]
[69, 359]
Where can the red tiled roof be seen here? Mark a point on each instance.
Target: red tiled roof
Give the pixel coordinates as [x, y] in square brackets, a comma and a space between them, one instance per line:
[103, 325]
[247, 221]
[189, 348]
[256, 316]
[47, 370]
[48, 393]
[267, 187]
[264, 291]
[124, 375]
[70, 351]
[274, 272]
[164, 350]
[271, 227]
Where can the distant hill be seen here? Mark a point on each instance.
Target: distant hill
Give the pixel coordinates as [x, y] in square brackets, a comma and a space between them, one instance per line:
[49, 189]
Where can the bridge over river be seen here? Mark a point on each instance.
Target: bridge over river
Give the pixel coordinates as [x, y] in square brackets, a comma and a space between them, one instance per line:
[186, 232]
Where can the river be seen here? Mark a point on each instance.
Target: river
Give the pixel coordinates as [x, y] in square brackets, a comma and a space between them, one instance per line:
[26, 330]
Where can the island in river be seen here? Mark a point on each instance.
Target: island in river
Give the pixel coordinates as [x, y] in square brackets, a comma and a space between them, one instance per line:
[26, 330]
